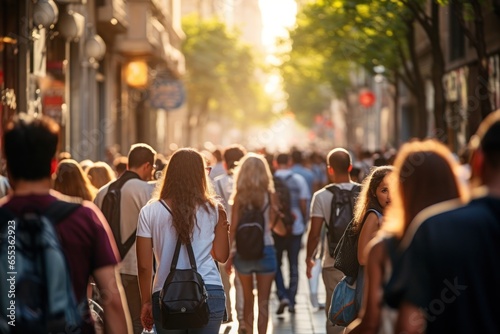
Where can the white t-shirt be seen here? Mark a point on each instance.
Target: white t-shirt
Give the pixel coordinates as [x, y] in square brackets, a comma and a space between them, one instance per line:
[223, 185]
[156, 222]
[321, 205]
[135, 193]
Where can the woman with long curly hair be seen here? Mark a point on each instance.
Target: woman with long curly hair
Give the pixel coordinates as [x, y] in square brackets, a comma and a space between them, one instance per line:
[424, 174]
[184, 207]
[370, 205]
[254, 189]
[70, 179]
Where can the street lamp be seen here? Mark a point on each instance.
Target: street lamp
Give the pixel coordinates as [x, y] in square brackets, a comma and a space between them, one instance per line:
[45, 14]
[136, 74]
[95, 48]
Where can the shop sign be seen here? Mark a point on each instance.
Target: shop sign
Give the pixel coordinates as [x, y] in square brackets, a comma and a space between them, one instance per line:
[167, 94]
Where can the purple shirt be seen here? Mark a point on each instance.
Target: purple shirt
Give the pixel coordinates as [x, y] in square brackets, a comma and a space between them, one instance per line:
[85, 238]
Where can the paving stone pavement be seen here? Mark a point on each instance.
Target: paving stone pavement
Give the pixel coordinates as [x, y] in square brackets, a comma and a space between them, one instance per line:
[306, 320]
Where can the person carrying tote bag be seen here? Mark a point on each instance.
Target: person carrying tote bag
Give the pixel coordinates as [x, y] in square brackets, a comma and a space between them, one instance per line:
[197, 219]
[373, 199]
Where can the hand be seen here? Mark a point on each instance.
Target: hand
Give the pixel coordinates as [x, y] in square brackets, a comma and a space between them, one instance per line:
[147, 316]
[310, 264]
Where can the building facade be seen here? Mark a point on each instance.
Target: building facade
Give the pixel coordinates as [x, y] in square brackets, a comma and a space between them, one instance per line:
[91, 65]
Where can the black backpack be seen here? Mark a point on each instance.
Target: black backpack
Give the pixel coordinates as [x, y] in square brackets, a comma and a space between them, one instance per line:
[342, 212]
[183, 298]
[250, 234]
[111, 209]
[285, 202]
[36, 293]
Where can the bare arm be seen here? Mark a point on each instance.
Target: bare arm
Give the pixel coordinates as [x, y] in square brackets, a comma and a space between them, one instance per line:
[235, 215]
[372, 294]
[144, 250]
[411, 320]
[220, 247]
[367, 233]
[313, 239]
[116, 313]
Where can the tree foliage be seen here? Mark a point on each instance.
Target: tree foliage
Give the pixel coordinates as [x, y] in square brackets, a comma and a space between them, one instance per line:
[221, 74]
[333, 37]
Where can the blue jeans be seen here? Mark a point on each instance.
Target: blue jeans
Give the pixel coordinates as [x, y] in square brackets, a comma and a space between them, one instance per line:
[292, 246]
[216, 304]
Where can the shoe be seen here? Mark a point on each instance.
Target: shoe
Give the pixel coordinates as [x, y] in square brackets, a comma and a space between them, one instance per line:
[283, 303]
[291, 309]
[322, 306]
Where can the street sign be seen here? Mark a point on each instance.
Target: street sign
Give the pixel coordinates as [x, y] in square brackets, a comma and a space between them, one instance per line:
[167, 93]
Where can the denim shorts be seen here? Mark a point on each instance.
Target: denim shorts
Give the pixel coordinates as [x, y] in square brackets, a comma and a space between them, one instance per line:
[216, 304]
[266, 265]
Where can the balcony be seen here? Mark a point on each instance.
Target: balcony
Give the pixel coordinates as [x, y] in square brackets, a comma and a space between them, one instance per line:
[112, 16]
[151, 36]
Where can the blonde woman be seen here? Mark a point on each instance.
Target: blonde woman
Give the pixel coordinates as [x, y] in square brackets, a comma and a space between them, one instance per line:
[194, 216]
[254, 189]
[100, 173]
[70, 179]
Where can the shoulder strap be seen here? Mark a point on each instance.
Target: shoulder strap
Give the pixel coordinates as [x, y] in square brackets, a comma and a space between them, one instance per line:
[115, 211]
[56, 211]
[189, 248]
[374, 211]
[59, 210]
[126, 176]
[331, 188]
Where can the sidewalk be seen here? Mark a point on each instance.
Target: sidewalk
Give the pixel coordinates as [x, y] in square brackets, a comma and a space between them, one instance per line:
[306, 320]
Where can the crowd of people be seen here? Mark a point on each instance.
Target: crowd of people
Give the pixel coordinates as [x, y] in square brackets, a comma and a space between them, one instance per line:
[427, 232]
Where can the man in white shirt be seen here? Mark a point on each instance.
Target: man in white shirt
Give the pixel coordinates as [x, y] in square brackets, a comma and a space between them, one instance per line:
[135, 193]
[339, 165]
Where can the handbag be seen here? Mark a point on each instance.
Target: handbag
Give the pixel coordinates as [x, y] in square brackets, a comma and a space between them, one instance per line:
[183, 298]
[346, 252]
[345, 303]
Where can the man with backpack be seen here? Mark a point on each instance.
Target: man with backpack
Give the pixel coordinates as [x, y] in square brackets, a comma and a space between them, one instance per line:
[49, 248]
[121, 201]
[333, 206]
[299, 195]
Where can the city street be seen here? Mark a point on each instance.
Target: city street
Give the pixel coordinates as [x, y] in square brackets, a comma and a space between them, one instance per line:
[306, 320]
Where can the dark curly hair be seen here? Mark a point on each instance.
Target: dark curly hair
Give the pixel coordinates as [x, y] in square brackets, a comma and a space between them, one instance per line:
[367, 197]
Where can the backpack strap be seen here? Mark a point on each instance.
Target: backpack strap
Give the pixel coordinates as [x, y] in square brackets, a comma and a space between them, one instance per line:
[56, 211]
[115, 224]
[59, 210]
[189, 248]
[126, 176]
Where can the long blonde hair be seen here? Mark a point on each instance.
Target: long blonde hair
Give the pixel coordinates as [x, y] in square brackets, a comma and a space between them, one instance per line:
[425, 173]
[253, 181]
[70, 179]
[100, 173]
[185, 184]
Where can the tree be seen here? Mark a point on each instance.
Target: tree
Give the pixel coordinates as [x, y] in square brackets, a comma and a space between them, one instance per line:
[338, 36]
[221, 75]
